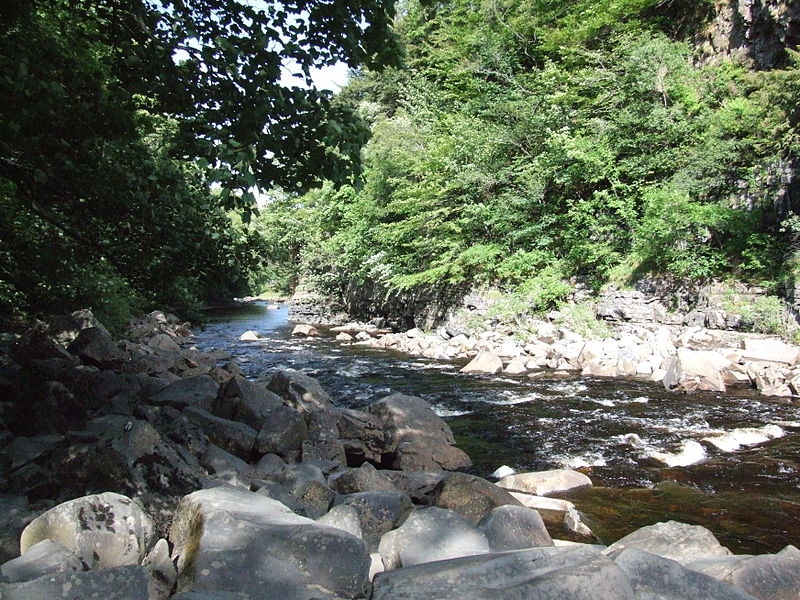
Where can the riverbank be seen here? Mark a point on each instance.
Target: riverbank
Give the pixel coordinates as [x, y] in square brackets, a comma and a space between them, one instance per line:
[213, 469]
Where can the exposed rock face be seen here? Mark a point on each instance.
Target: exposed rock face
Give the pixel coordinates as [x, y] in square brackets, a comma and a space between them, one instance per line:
[120, 583]
[673, 540]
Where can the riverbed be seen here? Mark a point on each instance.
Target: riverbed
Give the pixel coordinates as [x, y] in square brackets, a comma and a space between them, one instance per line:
[729, 462]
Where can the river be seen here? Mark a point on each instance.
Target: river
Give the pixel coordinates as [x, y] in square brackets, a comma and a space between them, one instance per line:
[728, 462]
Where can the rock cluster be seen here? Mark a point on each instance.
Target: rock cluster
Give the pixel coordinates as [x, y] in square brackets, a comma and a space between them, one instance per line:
[185, 480]
[683, 359]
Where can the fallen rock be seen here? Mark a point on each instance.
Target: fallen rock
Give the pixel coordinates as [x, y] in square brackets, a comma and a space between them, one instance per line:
[43, 558]
[514, 528]
[237, 438]
[677, 541]
[94, 346]
[237, 541]
[305, 330]
[365, 478]
[162, 571]
[770, 350]
[250, 336]
[542, 573]
[515, 367]
[200, 391]
[657, 577]
[15, 514]
[470, 496]
[545, 483]
[344, 337]
[428, 535]
[343, 517]
[416, 438]
[378, 512]
[119, 583]
[104, 530]
[361, 434]
[246, 401]
[691, 370]
[484, 362]
[302, 392]
[282, 433]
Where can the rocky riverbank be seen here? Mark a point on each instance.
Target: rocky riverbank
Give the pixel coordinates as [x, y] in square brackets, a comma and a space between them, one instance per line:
[629, 334]
[144, 468]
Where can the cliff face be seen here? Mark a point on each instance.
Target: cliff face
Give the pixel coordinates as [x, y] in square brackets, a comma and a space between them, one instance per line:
[756, 32]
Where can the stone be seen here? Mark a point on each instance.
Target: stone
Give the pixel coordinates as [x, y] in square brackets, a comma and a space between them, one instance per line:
[428, 535]
[104, 530]
[22, 450]
[238, 541]
[365, 478]
[676, 541]
[546, 483]
[343, 517]
[419, 485]
[162, 571]
[43, 558]
[200, 391]
[219, 461]
[63, 329]
[766, 576]
[470, 496]
[322, 441]
[513, 528]
[305, 330]
[657, 577]
[15, 514]
[246, 401]
[95, 347]
[163, 342]
[119, 583]
[516, 367]
[344, 337]
[361, 434]
[485, 362]
[552, 510]
[237, 438]
[282, 433]
[314, 497]
[302, 392]
[250, 336]
[378, 512]
[770, 350]
[415, 437]
[692, 370]
[540, 573]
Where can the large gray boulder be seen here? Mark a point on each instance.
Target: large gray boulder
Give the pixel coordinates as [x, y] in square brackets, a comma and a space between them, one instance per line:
[540, 573]
[677, 541]
[416, 438]
[361, 434]
[283, 433]
[119, 583]
[231, 540]
[514, 528]
[43, 558]
[302, 392]
[470, 496]
[428, 535]
[766, 576]
[200, 391]
[695, 370]
[322, 441]
[378, 512]
[657, 578]
[94, 346]
[365, 478]
[246, 401]
[104, 530]
[343, 517]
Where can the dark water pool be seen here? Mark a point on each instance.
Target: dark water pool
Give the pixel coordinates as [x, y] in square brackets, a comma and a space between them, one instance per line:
[728, 462]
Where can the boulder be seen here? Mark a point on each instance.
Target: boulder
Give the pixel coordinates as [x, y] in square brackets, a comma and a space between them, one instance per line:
[484, 362]
[302, 392]
[676, 541]
[378, 512]
[419, 485]
[691, 370]
[361, 434]
[219, 461]
[344, 337]
[63, 329]
[541, 573]
[546, 483]
[767, 576]
[470, 496]
[282, 433]
[770, 350]
[305, 330]
[246, 401]
[365, 478]
[657, 577]
[94, 346]
[22, 450]
[15, 514]
[43, 558]
[119, 583]
[162, 571]
[516, 367]
[322, 441]
[104, 530]
[344, 517]
[415, 437]
[163, 342]
[237, 541]
[428, 535]
[513, 528]
[200, 391]
[237, 438]
[250, 336]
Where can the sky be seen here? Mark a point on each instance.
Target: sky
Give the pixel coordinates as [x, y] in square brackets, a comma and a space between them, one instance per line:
[331, 78]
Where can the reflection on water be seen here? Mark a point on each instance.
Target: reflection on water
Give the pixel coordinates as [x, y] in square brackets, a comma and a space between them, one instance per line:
[733, 454]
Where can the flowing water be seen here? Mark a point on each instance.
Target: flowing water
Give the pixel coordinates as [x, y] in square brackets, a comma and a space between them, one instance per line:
[728, 462]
